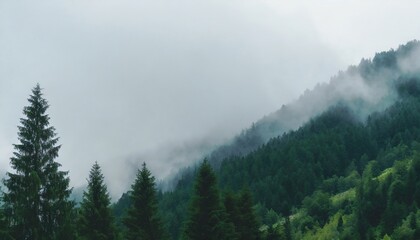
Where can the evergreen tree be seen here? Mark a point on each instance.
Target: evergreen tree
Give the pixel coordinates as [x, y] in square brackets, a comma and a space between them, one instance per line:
[232, 211]
[287, 229]
[207, 219]
[241, 213]
[273, 233]
[143, 221]
[96, 221]
[248, 227]
[37, 202]
[4, 233]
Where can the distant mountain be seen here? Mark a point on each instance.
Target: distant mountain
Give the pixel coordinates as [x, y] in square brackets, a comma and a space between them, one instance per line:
[322, 142]
[366, 88]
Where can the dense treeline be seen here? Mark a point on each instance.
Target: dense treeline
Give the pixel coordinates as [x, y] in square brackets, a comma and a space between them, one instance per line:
[334, 147]
[326, 157]
[339, 176]
[330, 153]
[380, 203]
[282, 172]
[36, 202]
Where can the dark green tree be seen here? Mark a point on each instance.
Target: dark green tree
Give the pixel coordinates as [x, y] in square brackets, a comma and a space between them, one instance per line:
[96, 220]
[318, 206]
[287, 229]
[232, 210]
[248, 226]
[207, 219]
[273, 233]
[143, 220]
[4, 233]
[37, 202]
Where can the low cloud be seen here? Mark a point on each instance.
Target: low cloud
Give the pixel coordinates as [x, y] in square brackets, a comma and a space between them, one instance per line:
[132, 81]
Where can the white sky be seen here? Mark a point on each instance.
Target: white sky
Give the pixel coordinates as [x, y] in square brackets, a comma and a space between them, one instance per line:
[150, 80]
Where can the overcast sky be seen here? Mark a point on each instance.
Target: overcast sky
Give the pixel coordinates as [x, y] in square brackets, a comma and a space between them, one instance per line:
[156, 80]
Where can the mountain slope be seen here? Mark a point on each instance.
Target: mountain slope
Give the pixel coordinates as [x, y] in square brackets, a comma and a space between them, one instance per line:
[353, 119]
[365, 88]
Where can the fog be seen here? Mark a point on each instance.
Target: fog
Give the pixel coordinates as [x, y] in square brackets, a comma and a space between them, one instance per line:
[166, 81]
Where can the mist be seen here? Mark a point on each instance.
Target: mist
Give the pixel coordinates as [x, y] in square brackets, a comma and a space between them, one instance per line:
[167, 82]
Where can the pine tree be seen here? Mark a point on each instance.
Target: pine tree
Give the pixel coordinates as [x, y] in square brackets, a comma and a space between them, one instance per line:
[96, 221]
[240, 212]
[207, 219]
[248, 228]
[37, 202]
[4, 233]
[142, 220]
[230, 203]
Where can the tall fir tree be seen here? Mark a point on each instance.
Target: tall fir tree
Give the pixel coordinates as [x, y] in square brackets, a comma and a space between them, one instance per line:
[143, 221]
[207, 218]
[248, 227]
[230, 203]
[240, 212]
[37, 204]
[96, 221]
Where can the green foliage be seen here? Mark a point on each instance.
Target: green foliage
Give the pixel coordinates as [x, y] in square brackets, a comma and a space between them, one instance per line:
[380, 207]
[207, 219]
[287, 229]
[408, 229]
[96, 220]
[143, 220]
[36, 201]
[274, 232]
[318, 206]
[297, 162]
[119, 210]
[174, 205]
[241, 213]
[4, 230]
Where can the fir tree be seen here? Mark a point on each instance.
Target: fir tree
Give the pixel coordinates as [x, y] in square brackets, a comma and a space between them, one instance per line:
[96, 221]
[232, 211]
[4, 233]
[240, 212]
[207, 219]
[142, 221]
[37, 202]
[248, 227]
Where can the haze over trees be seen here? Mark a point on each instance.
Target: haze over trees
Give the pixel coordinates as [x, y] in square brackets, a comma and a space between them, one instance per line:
[344, 174]
[324, 159]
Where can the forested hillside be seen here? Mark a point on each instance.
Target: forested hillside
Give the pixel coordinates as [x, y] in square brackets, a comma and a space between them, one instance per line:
[366, 88]
[324, 159]
[318, 173]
